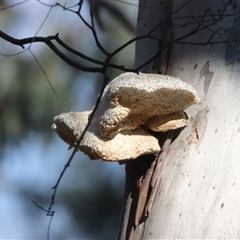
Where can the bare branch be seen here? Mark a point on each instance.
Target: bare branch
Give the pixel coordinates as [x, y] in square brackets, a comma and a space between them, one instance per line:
[55, 187]
[13, 5]
[48, 42]
[94, 30]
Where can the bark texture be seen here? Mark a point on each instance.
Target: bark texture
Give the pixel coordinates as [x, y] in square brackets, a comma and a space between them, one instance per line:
[198, 195]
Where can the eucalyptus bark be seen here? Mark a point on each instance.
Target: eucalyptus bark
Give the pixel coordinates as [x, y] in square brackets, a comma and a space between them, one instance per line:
[198, 196]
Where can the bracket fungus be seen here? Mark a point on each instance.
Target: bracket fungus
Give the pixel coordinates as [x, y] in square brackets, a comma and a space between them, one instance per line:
[124, 146]
[131, 103]
[163, 123]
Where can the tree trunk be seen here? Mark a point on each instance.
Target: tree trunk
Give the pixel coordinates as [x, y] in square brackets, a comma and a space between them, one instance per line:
[198, 196]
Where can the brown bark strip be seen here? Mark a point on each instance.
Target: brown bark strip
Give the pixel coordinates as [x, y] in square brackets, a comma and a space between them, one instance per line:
[144, 189]
[143, 177]
[157, 176]
[135, 172]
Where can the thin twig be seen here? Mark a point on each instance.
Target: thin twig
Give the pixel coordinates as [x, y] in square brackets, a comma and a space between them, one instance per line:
[55, 187]
[13, 5]
[44, 72]
[99, 45]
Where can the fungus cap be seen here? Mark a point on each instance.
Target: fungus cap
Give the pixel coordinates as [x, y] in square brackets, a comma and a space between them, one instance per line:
[131, 99]
[124, 146]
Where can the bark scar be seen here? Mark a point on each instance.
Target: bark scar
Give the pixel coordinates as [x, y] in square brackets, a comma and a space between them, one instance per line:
[199, 126]
[207, 74]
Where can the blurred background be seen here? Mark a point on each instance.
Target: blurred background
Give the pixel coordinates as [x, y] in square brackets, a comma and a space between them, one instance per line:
[89, 197]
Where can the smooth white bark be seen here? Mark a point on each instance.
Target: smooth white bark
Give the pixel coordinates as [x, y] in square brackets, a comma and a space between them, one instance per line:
[200, 188]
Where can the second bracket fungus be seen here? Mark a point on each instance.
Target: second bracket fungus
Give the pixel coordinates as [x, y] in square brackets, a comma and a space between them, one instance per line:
[130, 104]
[163, 123]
